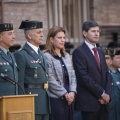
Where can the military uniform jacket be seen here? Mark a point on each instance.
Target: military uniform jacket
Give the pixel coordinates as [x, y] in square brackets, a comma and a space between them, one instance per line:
[8, 67]
[31, 72]
[114, 113]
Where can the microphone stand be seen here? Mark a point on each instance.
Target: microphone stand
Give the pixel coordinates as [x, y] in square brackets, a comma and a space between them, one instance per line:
[5, 77]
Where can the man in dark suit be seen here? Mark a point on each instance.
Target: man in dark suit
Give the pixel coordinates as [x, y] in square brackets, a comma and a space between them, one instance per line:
[33, 68]
[93, 78]
[8, 66]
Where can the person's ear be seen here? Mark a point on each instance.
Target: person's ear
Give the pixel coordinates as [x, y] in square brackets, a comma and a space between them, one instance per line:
[51, 39]
[0, 37]
[84, 33]
[29, 36]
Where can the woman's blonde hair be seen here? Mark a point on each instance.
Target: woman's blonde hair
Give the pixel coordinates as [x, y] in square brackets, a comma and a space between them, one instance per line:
[52, 33]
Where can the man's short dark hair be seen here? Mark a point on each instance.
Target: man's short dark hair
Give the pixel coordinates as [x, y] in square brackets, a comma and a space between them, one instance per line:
[88, 24]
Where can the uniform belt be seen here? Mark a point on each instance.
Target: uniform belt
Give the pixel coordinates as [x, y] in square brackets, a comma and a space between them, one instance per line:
[43, 86]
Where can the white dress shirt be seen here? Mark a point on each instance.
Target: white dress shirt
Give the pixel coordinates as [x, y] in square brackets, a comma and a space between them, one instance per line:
[33, 47]
[91, 47]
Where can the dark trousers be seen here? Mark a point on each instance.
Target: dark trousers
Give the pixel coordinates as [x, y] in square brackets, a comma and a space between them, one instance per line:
[60, 110]
[102, 114]
[77, 115]
[41, 117]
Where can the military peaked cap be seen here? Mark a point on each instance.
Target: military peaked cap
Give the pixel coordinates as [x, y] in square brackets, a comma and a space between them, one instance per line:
[27, 25]
[108, 51]
[112, 52]
[6, 27]
[117, 52]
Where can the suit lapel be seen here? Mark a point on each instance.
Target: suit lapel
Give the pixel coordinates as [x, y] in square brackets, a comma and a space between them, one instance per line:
[89, 53]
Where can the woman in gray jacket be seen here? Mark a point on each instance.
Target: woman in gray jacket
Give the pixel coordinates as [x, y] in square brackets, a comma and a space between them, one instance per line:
[62, 81]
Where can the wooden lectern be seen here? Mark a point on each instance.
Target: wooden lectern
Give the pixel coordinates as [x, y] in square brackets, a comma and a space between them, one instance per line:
[17, 107]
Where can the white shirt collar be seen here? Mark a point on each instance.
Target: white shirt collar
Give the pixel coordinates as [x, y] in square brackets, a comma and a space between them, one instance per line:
[33, 47]
[90, 46]
[5, 51]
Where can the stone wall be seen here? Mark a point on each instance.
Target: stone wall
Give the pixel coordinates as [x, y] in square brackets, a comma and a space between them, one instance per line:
[106, 13]
[17, 10]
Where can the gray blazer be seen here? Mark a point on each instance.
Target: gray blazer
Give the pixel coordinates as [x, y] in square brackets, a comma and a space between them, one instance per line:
[55, 75]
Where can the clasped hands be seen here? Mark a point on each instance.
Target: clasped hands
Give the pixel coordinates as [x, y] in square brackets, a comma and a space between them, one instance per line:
[70, 97]
[105, 98]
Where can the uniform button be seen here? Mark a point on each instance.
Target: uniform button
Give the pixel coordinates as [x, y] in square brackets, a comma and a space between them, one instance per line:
[6, 70]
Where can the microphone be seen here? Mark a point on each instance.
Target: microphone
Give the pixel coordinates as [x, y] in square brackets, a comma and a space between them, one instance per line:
[5, 77]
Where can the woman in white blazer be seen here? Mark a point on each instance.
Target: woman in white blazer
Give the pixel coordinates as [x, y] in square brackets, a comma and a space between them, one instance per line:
[62, 80]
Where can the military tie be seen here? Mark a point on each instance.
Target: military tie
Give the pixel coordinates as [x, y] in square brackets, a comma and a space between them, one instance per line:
[9, 56]
[40, 54]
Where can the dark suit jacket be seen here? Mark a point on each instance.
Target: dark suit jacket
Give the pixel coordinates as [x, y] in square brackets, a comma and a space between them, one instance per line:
[11, 70]
[91, 81]
[28, 68]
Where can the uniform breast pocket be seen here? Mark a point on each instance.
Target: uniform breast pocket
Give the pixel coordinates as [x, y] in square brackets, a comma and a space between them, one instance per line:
[34, 71]
[5, 69]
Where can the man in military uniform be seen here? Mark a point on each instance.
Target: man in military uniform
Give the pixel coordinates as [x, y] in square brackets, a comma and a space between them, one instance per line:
[8, 66]
[114, 105]
[108, 59]
[33, 68]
